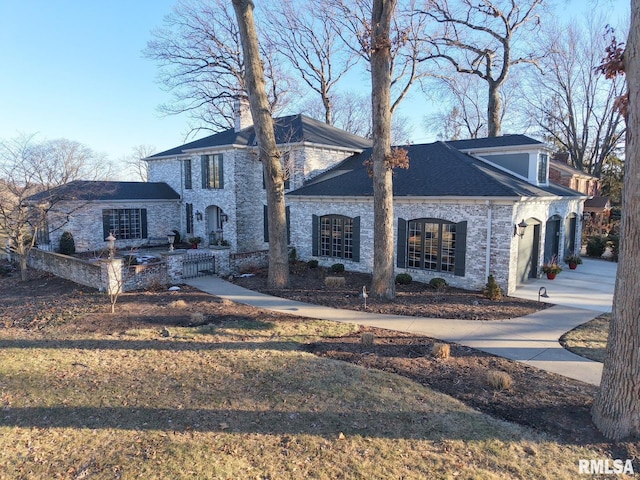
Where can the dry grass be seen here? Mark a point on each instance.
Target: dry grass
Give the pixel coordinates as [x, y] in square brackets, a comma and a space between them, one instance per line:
[367, 339]
[180, 304]
[499, 380]
[240, 400]
[334, 282]
[590, 339]
[197, 317]
[441, 350]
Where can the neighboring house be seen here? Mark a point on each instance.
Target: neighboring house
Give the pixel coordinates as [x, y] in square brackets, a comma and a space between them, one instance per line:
[460, 210]
[597, 208]
[137, 213]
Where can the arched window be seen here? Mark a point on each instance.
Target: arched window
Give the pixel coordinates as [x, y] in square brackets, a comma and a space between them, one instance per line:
[432, 244]
[336, 236]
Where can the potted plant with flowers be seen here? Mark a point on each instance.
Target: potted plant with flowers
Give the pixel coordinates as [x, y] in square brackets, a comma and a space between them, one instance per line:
[194, 241]
[573, 261]
[552, 268]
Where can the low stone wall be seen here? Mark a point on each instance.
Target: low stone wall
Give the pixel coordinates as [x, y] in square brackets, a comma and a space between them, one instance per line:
[70, 268]
[241, 262]
[139, 277]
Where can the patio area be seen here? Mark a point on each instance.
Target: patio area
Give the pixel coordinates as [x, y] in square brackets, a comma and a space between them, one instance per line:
[590, 286]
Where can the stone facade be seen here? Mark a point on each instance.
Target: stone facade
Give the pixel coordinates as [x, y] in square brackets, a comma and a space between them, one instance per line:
[491, 248]
[84, 221]
[243, 197]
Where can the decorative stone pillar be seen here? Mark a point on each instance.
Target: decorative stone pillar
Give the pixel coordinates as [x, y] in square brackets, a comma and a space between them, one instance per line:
[111, 272]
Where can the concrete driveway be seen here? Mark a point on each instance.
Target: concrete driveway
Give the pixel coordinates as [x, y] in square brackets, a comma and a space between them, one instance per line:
[589, 287]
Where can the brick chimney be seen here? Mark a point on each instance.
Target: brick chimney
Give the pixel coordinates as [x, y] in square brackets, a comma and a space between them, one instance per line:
[242, 114]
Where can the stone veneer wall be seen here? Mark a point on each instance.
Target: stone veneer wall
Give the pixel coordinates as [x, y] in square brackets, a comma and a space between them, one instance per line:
[70, 268]
[503, 245]
[84, 221]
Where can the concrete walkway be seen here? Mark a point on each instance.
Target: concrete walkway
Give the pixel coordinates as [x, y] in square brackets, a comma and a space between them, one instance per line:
[532, 339]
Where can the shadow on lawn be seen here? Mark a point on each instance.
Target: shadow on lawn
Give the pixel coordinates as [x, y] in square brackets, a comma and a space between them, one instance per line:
[462, 425]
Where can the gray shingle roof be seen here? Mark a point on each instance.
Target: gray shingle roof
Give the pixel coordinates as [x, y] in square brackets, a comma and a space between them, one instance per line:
[292, 129]
[98, 190]
[490, 142]
[435, 170]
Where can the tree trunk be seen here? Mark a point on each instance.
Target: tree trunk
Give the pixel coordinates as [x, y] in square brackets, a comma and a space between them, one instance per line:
[494, 108]
[616, 410]
[268, 151]
[383, 283]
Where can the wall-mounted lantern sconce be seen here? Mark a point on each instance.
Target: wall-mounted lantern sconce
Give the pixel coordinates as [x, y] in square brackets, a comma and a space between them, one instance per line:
[224, 218]
[199, 216]
[542, 293]
[172, 238]
[520, 228]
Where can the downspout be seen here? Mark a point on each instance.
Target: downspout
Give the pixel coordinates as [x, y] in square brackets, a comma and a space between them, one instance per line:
[487, 264]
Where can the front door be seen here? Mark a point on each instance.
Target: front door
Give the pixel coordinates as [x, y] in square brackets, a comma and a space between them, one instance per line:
[528, 247]
[552, 238]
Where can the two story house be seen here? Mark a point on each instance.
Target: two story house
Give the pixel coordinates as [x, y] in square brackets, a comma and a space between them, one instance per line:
[463, 209]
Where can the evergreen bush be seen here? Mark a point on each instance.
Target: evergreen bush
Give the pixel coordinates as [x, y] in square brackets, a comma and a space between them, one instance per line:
[67, 244]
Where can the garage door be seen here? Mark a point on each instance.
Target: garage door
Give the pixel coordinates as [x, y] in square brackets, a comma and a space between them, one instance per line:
[552, 238]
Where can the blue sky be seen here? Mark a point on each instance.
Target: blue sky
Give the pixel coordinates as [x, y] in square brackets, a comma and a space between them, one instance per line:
[74, 69]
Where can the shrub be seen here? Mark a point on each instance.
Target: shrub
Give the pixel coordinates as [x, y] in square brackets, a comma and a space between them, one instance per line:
[67, 244]
[367, 339]
[499, 380]
[441, 350]
[596, 246]
[177, 234]
[313, 263]
[196, 318]
[293, 255]
[438, 283]
[404, 278]
[337, 268]
[492, 290]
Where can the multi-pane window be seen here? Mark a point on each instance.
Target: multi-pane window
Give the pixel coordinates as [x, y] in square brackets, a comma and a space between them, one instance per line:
[125, 223]
[431, 245]
[189, 217]
[187, 174]
[212, 171]
[542, 168]
[336, 236]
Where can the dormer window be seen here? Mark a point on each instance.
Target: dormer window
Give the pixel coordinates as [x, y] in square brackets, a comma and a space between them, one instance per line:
[543, 166]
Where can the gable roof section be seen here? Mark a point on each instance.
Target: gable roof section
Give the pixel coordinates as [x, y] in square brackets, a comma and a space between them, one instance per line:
[493, 142]
[292, 129]
[104, 190]
[435, 170]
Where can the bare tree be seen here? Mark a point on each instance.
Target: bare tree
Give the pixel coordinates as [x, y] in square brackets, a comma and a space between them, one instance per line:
[353, 19]
[200, 59]
[383, 282]
[270, 156]
[481, 38]
[28, 168]
[575, 108]
[352, 113]
[466, 118]
[308, 40]
[136, 165]
[616, 409]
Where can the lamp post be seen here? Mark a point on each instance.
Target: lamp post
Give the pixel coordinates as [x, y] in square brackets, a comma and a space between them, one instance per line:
[112, 245]
[172, 238]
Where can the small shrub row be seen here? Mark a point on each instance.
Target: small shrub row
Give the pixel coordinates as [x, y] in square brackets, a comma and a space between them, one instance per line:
[403, 279]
